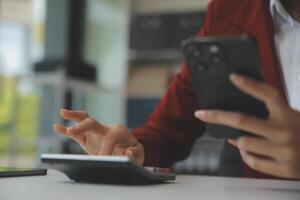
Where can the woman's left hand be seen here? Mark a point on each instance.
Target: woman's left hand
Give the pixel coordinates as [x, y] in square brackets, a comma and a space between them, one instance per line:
[278, 146]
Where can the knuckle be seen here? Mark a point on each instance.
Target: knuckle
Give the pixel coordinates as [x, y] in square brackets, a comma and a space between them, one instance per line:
[117, 132]
[85, 114]
[275, 96]
[120, 128]
[110, 137]
[92, 122]
[240, 119]
[288, 136]
[290, 154]
[290, 170]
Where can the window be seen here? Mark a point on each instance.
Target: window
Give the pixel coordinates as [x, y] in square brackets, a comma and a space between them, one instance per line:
[19, 99]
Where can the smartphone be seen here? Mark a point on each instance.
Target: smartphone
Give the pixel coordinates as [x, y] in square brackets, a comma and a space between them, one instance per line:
[16, 172]
[210, 61]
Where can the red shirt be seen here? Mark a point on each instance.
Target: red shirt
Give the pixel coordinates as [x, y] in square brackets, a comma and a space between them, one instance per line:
[171, 130]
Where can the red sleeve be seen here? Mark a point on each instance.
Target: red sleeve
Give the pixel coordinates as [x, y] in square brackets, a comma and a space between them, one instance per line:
[171, 130]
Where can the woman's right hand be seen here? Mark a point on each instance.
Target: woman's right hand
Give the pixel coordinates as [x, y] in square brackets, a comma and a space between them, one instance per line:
[97, 139]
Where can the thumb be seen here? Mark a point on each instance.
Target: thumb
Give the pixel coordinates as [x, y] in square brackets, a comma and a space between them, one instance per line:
[135, 153]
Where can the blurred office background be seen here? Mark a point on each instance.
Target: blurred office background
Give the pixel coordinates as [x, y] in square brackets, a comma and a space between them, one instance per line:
[112, 58]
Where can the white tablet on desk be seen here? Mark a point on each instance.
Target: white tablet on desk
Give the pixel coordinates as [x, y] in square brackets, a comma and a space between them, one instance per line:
[105, 169]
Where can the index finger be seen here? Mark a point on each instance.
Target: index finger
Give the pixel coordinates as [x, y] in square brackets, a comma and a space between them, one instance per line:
[74, 115]
[60, 129]
[239, 121]
[88, 124]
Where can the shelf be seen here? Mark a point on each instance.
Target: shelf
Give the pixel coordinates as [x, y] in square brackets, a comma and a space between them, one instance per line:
[148, 96]
[59, 79]
[168, 55]
[168, 6]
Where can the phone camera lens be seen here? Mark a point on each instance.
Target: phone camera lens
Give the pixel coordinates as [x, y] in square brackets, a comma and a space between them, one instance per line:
[201, 66]
[214, 49]
[215, 60]
[194, 51]
[191, 48]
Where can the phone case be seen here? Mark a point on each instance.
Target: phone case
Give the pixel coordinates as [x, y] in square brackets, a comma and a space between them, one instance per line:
[211, 60]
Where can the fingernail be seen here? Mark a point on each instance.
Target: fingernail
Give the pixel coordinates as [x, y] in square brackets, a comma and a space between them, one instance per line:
[235, 77]
[231, 141]
[232, 77]
[200, 114]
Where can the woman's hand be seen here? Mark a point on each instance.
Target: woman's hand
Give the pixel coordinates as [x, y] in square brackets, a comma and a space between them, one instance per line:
[97, 139]
[279, 141]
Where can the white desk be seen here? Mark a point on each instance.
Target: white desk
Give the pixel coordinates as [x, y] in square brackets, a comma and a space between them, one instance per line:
[56, 186]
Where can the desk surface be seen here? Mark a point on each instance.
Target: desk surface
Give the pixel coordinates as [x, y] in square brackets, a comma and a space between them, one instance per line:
[56, 186]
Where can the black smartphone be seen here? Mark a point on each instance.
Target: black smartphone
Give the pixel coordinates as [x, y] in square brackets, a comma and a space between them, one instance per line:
[211, 60]
[15, 172]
